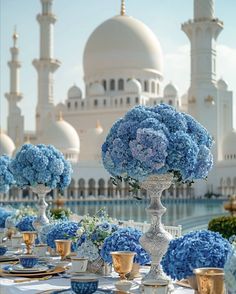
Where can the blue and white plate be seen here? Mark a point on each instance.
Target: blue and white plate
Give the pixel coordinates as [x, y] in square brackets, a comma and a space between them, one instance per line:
[69, 291]
[18, 269]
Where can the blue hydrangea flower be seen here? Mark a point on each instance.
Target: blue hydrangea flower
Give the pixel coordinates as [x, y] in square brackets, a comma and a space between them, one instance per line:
[125, 239]
[195, 250]
[41, 164]
[4, 214]
[26, 223]
[157, 140]
[6, 177]
[230, 271]
[63, 231]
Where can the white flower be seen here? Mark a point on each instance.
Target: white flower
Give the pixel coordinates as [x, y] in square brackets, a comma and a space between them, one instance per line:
[80, 232]
[88, 250]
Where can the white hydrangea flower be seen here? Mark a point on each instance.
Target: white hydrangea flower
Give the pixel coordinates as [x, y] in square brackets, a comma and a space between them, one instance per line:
[88, 250]
[80, 232]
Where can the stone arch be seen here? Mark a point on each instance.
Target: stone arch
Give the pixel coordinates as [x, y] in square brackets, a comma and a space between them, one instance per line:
[81, 189]
[101, 187]
[153, 87]
[120, 84]
[104, 83]
[112, 85]
[71, 189]
[110, 188]
[91, 187]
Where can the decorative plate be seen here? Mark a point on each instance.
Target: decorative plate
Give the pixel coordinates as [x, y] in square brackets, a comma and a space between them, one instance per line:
[17, 268]
[4, 258]
[55, 271]
[69, 291]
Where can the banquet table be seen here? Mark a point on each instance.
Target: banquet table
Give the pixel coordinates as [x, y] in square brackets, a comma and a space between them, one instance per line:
[7, 285]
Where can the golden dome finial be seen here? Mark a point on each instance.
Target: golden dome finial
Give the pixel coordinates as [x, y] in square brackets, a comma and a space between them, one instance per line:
[15, 36]
[98, 125]
[122, 10]
[60, 116]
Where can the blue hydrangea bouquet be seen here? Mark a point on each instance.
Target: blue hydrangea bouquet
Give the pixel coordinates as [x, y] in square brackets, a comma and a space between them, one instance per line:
[195, 250]
[41, 164]
[230, 268]
[157, 140]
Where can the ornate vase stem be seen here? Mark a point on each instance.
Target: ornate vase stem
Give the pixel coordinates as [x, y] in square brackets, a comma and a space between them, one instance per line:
[42, 205]
[156, 240]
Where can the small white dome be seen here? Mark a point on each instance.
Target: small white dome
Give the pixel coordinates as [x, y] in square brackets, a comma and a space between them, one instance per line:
[170, 90]
[74, 92]
[7, 146]
[222, 85]
[133, 86]
[229, 145]
[96, 89]
[64, 137]
[120, 43]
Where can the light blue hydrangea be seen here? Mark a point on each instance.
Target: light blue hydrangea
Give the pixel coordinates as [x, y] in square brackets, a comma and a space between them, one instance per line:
[157, 140]
[41, 164]
[6, 176]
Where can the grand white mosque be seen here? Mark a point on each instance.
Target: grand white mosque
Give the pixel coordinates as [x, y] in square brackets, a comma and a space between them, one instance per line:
[123, 67]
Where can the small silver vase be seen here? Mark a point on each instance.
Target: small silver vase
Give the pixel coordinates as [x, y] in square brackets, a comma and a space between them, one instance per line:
[41, 220]
[156, 240]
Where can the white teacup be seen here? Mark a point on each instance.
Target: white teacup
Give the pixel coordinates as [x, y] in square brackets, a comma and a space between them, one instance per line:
[16, 241]
[40, 250]
[79, 265]
[153, 287]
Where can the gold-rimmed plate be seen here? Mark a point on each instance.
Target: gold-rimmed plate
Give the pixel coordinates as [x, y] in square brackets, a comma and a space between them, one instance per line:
[55, 271]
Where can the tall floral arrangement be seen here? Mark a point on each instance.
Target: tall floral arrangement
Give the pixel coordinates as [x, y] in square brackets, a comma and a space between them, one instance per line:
[125, 239]
[195, 250]
[41, 164]
[6, 176]
[92, 233]
[157, 140]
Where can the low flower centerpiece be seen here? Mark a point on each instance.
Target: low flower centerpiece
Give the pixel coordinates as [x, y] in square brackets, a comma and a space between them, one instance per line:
[153, 146]
[125, 239]
[91, 235]
[198, 249]
[230, 268]
[42, 168]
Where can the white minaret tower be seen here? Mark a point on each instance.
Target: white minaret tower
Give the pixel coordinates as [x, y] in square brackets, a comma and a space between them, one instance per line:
[15, 121]
[46, 65]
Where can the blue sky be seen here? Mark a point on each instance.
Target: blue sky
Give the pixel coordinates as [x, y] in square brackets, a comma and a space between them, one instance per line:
[78, 18]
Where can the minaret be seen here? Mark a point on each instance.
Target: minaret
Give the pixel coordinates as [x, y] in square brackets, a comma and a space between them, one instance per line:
[15, 121]
[202, 32]
[46, 65]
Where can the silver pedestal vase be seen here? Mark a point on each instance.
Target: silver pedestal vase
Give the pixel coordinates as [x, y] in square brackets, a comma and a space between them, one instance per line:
[156, 240]
[41, 220]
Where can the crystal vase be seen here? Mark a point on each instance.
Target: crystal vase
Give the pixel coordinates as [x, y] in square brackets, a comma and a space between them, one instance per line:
[156, 240]
[41, 220]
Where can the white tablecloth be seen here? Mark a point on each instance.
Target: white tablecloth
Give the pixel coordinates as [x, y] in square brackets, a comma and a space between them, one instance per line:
[7, 286]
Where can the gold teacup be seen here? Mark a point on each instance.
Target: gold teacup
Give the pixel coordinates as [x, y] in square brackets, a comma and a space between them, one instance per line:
[29, 239]
[63, 248]
[210, 280]
[122, 262]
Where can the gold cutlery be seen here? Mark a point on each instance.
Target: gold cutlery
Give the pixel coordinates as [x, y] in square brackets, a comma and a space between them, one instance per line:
[33, 279]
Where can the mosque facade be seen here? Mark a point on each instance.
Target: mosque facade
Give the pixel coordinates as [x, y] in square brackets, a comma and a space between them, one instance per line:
[123, 67]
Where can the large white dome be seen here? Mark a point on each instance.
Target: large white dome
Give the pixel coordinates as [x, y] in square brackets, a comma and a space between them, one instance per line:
[122, 42]
[64, 137]
[7, 146]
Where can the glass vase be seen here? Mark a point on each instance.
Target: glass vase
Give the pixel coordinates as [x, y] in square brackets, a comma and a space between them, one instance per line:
[156, 240]
[42, 219]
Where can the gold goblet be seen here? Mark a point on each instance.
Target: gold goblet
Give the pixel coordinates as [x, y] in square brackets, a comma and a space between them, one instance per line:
[63, 247]
[210, 280]
[29, 239]
[122, 262]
